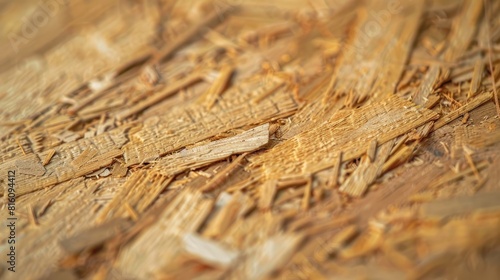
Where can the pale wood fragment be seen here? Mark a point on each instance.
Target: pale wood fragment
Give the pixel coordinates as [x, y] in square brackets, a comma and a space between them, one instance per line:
[208, 251]
[402, 155]
[267, 192]
[372, 149]
[83, 158]
[48, 156]
[222, 175]
[30, 166]
[119, 170]
[190, 158]
[367, 172]
[219, 85]
[233, 210]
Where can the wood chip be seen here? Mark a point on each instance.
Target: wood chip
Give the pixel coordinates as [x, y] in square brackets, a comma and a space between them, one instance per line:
[210, 97]
[191, 158]
[372, 149]
[209, 251]
[48, 156]
[30, 167]
[83, 158]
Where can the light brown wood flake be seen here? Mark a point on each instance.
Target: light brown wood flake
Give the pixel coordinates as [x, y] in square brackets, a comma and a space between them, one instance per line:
[291, 181]
[367, 172]
[83, 158]
[119, 170]
[219, 85]
[401, 156]
[423, 131]
[150, 76]
[223, 174]
[48, 156]
[140, 190]
[465, 118]
[208, 251]
[31, 166]
[422, 197]
[230, 212]
[98, 162]
[333, 180]
[36, 139]
[190, 158]
[267, 192]
[372, 149]
[432, 101]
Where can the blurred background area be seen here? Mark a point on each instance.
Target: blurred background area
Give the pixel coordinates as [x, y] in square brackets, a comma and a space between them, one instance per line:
[31, 27]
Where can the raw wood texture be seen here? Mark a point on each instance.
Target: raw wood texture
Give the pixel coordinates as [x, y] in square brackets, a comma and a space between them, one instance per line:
[231, 139]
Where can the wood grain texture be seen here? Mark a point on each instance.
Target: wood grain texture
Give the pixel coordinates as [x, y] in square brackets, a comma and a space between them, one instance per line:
[289, 139]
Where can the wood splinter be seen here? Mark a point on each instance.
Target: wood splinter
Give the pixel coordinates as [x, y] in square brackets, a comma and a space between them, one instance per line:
[223, 174]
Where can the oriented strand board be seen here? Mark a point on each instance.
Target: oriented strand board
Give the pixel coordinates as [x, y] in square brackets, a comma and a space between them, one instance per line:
[225, 139]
